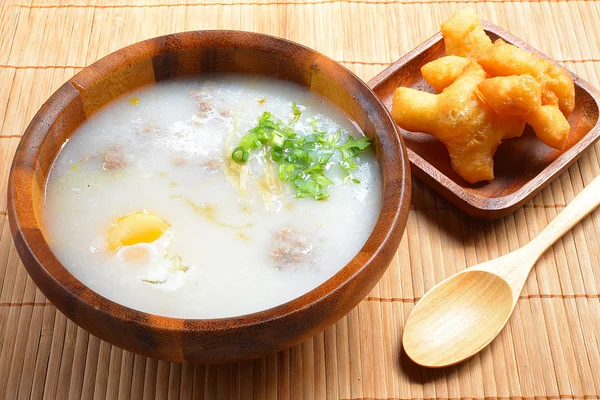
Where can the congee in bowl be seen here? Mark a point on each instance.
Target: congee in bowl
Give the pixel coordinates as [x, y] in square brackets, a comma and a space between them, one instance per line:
[154, 204]
[209, 196]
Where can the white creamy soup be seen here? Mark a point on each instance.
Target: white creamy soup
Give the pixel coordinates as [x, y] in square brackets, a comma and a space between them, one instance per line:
[164, 202]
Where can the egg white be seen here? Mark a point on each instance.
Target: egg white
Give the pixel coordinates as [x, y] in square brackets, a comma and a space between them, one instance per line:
[159, 269]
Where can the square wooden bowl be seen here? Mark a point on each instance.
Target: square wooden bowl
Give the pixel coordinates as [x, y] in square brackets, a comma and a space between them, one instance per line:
[522, 166]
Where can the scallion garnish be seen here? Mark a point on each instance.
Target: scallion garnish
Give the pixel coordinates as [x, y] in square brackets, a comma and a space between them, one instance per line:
[302, 159]
[240, 155]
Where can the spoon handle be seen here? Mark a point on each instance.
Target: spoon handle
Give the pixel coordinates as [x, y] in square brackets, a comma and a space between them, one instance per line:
[583, 204]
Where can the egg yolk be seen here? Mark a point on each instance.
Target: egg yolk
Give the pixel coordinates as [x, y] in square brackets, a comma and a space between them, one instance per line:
[136, 228]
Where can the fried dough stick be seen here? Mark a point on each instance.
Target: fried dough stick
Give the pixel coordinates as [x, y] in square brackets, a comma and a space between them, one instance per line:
[470, 129]
[521, 96]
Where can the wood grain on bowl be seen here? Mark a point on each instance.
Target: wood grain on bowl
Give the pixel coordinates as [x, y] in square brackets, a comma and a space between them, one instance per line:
[522, 166]
[195, 340]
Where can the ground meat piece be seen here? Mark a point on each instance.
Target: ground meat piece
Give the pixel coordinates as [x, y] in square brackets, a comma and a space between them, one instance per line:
[291, 247]
[226, 113]
[212, 164]
[114, 158]
[87, 157]
[204, 106]
[149, 128]
[179, 161]
[200, 94]
[203, 92]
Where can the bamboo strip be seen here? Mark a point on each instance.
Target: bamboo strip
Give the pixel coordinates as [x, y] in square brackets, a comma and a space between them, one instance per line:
[174, 381]
[43, 353]
[137, 385]
[246, 378]
[126, 376]
[19, 379]
[101, 381]
[186, 389]
[114, 373]
[150, 379]
[162, 380]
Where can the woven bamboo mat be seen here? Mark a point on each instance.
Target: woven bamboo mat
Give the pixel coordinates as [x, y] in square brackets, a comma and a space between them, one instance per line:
[551, 346]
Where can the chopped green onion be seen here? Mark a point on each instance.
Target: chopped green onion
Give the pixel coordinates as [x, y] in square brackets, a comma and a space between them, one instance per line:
[297, 113]
[302, 159]
[240, 155]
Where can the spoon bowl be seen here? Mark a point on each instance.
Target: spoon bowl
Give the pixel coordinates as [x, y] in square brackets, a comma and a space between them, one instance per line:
[459, 317]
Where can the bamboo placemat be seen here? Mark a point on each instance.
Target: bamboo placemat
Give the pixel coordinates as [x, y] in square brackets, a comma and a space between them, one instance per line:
[551, 346]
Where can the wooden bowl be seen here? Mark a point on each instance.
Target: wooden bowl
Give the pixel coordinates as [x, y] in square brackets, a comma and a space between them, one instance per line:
[522, 166]
[209, 340]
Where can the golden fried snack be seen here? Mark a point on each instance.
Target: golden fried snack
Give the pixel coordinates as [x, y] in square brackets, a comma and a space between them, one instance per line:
[557, 88]
[470, 129]
[442, 72]
[515, 95]
[520, 96]
[550, 126]
[464, 36]
[503, 59]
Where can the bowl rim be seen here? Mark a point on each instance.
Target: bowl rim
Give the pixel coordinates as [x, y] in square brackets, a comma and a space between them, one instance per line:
[110, 63]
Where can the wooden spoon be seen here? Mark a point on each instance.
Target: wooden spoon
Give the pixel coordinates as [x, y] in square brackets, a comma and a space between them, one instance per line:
[462, 314]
